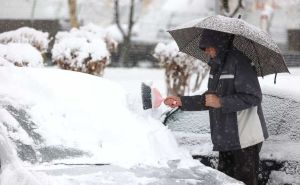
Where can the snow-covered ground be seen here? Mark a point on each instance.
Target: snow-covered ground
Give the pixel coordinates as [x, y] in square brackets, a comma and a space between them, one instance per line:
[50, 117]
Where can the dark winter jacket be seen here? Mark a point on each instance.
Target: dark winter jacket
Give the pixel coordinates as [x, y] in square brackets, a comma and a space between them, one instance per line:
[239, 123]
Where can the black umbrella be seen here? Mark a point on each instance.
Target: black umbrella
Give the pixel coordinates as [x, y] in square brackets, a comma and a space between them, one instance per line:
[252, 41]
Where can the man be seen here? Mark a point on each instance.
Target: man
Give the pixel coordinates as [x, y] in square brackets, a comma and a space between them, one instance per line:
[234, 102]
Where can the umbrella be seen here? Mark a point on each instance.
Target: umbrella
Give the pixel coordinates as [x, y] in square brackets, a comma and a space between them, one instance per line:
[252, 41]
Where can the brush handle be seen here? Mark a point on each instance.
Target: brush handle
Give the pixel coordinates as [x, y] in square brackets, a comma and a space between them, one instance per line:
[172, 101]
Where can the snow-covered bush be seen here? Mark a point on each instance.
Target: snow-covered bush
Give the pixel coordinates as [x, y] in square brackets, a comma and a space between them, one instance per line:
[111, 42]
[86, 49]
[183, 72]
[37, 39]
[20, 54]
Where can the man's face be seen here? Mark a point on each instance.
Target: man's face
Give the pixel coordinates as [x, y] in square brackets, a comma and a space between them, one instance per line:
[211, 52]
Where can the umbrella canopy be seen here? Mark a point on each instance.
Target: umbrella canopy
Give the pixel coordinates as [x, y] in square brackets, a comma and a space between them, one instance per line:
[252, 41]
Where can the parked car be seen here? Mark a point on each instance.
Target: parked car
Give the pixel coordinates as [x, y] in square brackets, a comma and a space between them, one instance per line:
[60, 127]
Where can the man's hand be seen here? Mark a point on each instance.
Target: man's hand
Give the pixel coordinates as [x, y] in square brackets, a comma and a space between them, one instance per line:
[212, 100]
[173, 101]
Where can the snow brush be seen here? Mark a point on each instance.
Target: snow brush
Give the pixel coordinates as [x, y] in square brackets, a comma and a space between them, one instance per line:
[151, 97]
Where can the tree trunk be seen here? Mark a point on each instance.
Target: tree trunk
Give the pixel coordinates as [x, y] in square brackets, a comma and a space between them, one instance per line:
[124, 56]
[126, 46]
[32, 12]
[73, 13]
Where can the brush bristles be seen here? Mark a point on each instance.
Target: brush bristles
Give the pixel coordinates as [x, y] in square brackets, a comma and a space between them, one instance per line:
[146, 96]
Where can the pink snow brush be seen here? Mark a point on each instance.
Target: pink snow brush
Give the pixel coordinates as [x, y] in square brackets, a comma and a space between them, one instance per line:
[151, 97]
[157, 99]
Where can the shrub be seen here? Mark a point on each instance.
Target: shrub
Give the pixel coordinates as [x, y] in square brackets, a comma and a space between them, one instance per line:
[183, 72]
[86, 50]
[20, 54]
[35, 38]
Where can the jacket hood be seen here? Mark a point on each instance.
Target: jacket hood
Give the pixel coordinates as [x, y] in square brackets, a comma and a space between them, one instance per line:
[215, 39]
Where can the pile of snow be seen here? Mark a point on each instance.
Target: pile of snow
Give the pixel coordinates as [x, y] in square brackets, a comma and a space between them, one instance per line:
[37, 39]
[83, 50]
[180, 68]
[89, 118]
[20, 54]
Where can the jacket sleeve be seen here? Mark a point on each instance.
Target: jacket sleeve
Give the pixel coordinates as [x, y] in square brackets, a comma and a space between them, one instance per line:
[193, 103]
[247, 89]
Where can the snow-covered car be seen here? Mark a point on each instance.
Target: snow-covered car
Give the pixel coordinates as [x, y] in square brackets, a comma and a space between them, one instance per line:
[280, 155]
[63, 127]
